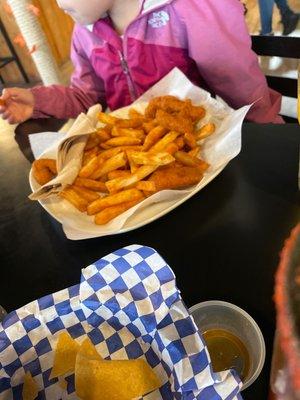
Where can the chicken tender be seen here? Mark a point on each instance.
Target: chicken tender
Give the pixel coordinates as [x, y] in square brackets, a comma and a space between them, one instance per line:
[176, 178]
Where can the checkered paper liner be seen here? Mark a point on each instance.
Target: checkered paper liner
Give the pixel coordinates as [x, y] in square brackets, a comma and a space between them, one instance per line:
[129, 306]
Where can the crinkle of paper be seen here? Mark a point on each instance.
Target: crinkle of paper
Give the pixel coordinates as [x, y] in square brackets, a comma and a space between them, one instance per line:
[217, 150]
[69, 154]
[129, 306]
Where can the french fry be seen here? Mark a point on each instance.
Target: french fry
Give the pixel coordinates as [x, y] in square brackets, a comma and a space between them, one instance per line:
[88, 155]
[205, 131]
[115, 162]
[122, 141]
[107, 128]
[149, 125]
[112, 151]
[119, 183]
[103, 135]
[171, 148]
[109, 213]
[190, 140]
[87, 194]
[105, 146]
[89, 168]
[158, 159]
[114, 199]
[92, 141]
[118, 174]
[106, 154]
[128, 132]
[153, 136]
[186, 159]
[180, 142]
[74, 198]
[133, 113]
[147, 186]
[91, 184]
[132, 165]
[107, 118]
[162, 143]
[134, 122]
[194, 152]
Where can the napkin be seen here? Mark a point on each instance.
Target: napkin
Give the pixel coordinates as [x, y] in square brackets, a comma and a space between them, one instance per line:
[129, 306]
[69, 154]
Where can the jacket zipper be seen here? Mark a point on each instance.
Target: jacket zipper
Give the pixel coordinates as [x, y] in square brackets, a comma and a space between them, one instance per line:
[122, 55]
[125, 68]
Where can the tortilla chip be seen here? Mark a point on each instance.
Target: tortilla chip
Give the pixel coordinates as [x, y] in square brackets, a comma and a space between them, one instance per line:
[65, 355]
[113, 380]
[63, 384]
[30, 389]
[88, 350]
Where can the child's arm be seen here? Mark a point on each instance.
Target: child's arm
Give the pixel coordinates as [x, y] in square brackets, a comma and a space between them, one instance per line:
[67, 102]
[219, 43]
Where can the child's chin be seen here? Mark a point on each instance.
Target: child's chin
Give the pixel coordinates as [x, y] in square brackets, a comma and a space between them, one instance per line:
[85, 22]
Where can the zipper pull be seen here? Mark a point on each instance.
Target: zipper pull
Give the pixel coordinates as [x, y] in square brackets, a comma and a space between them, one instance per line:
[123, 63]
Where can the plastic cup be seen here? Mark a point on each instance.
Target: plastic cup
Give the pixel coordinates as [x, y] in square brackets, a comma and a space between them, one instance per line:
[222, 315]
[2, 313]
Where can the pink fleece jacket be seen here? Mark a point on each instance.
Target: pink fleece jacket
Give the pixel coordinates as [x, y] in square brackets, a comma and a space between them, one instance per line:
[206, 39]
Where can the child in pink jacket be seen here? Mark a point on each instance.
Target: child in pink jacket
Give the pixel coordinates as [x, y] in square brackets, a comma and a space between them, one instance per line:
[120, 48]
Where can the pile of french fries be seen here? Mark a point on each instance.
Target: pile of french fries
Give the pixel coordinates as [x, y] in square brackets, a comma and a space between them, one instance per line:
[127, 160]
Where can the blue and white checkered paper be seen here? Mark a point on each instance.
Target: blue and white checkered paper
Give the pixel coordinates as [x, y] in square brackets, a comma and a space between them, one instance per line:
[129, 306]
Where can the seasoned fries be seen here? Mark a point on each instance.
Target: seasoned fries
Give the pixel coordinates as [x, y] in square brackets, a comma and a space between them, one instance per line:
[113, 163]
[89, 168]
[127, 160]
[114, 199]
[109, 213]
[121, 141]
[74, 198]
[91, 184]
[120, 183]
[205, 131]
[87, 194]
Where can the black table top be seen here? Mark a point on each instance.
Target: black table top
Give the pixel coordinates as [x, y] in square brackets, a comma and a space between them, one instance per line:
[222, 244]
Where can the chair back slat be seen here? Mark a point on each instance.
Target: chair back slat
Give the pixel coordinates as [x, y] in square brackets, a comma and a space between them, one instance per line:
[285, 86]
[280, 46]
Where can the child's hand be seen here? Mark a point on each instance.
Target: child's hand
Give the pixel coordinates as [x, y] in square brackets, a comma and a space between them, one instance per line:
[16, 105]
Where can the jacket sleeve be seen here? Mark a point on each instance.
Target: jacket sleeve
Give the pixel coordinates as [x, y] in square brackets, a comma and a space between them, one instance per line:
[219, 43]
[62, 102]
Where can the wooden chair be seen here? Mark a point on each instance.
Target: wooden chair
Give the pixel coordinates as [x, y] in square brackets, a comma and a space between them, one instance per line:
[279, 46]
[13, 57]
